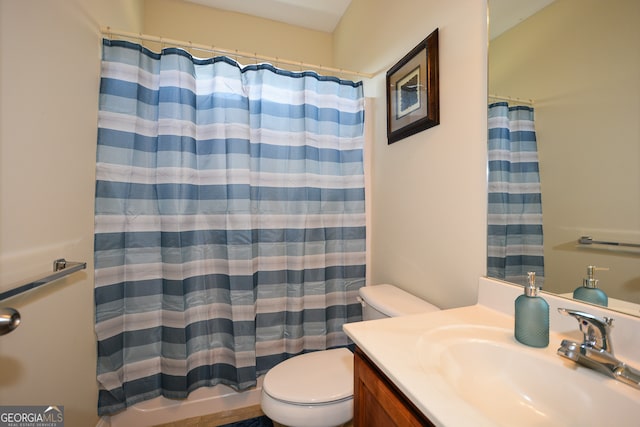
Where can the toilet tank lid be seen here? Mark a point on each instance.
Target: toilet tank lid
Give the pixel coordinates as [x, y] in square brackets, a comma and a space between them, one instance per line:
[393, 301]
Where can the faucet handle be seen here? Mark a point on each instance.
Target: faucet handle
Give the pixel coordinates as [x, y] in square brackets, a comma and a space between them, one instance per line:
[596, 330]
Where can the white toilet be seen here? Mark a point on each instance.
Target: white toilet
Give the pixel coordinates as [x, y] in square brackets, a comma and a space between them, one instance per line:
[316, 389]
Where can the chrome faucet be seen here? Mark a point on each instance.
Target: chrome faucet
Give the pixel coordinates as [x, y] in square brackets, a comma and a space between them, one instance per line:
[596, 350]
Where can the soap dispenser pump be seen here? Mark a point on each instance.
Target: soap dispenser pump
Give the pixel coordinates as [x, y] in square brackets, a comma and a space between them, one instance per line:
[589, 290]
[532, 316]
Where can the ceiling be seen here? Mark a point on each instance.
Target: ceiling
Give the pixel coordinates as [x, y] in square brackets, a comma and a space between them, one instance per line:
[504, 14]
[320, 15]
[324, 15]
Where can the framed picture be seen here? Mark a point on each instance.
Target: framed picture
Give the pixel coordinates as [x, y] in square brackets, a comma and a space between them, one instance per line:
[413, 102]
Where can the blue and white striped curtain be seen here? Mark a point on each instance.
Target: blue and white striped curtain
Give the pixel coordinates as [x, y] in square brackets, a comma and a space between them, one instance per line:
[515, 240]
[230, 224]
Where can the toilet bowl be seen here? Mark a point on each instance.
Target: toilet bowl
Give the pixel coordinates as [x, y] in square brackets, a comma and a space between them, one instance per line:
[316, 389]
[312, 389]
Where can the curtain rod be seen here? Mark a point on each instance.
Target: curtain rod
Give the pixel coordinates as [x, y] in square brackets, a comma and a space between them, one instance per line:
[108, 31]
[510, 98]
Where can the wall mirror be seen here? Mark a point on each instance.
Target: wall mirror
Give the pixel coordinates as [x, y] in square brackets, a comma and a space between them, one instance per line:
[578, 63]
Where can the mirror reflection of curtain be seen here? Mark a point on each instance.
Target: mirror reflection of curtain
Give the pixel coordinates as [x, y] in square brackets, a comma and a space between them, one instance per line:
[230, 221]
[515, 202]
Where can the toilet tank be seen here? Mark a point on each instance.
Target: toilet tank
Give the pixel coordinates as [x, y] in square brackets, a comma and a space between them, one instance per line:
[380, 301]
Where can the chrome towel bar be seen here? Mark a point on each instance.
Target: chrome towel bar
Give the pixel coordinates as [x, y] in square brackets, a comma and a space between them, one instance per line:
[587, 240]
[61, 268]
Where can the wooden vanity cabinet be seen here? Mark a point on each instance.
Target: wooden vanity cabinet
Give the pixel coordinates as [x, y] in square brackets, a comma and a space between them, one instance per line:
[377, 401]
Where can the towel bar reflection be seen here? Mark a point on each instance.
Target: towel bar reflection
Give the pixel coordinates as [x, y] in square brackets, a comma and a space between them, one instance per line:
[587, 240]
[61, 268]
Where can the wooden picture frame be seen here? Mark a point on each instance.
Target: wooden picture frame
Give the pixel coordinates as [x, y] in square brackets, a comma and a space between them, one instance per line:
[413, 101]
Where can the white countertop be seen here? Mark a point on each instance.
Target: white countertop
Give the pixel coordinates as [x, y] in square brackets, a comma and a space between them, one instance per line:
[394, 344]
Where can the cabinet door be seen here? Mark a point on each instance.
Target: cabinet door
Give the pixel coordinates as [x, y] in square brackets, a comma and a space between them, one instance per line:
[378, 402]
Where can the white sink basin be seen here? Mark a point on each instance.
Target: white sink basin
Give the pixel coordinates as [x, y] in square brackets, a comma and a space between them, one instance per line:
[512, 384]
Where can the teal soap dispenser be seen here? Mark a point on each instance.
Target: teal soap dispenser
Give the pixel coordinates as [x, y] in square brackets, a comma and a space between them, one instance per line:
[532, 316]
[589, 290]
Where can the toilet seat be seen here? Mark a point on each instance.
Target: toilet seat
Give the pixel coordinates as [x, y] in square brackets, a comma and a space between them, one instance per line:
[295, 381]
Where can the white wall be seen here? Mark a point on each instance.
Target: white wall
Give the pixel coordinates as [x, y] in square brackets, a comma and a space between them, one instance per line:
[429, 197]
[50, 67]
[580, 61]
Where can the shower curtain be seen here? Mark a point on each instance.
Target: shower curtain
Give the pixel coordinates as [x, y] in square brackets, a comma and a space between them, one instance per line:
[515, 239]
[229, 225]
